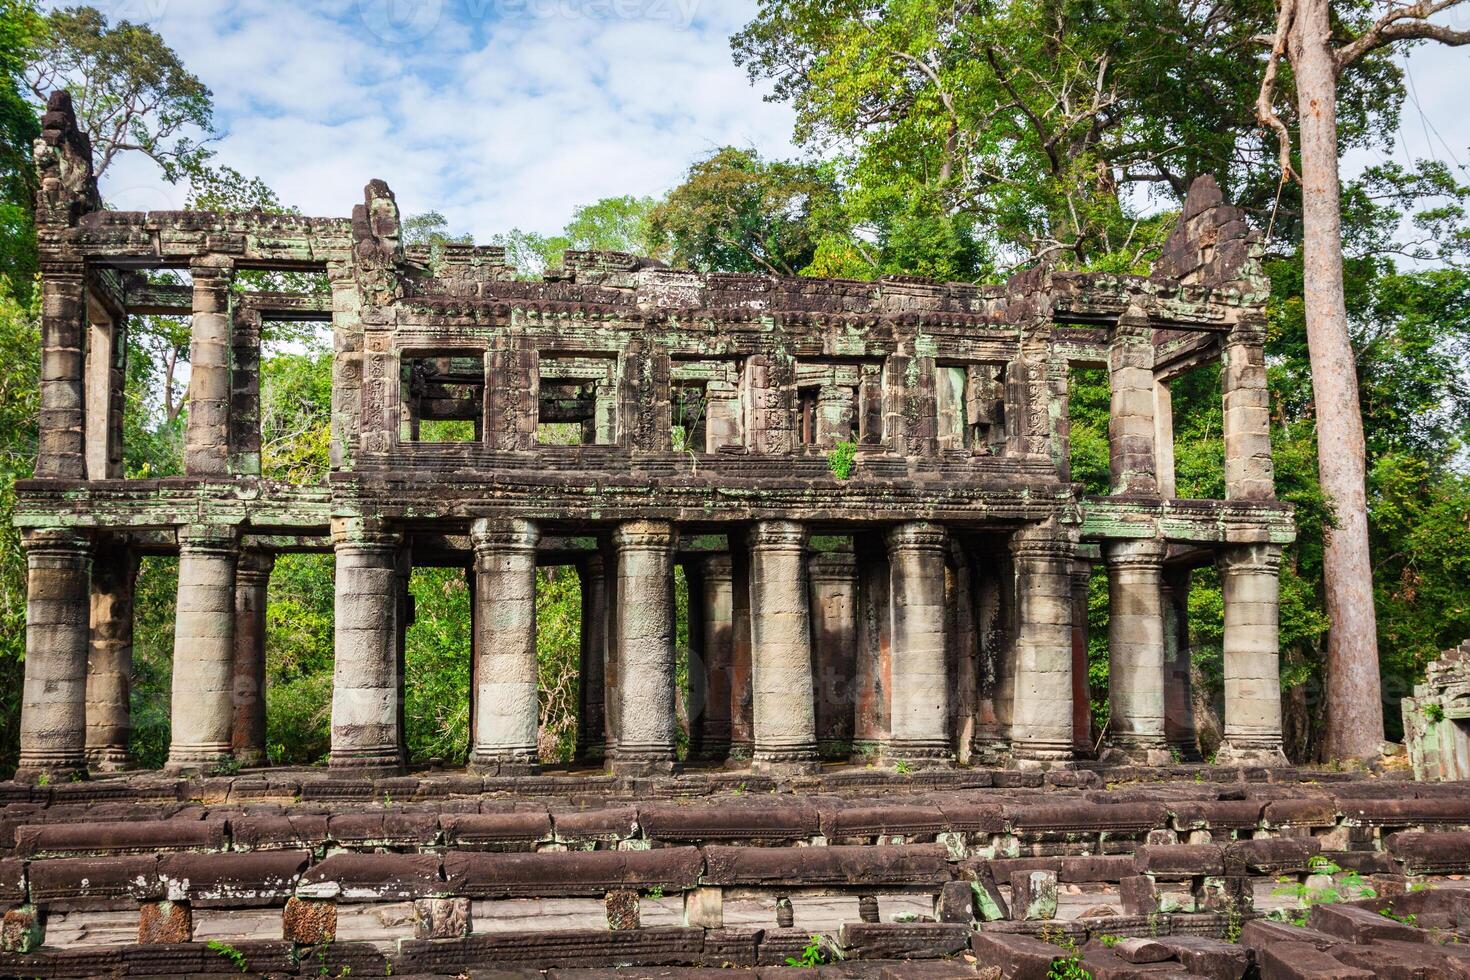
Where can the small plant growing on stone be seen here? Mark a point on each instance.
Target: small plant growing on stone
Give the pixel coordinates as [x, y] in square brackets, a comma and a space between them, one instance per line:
[656, 892]
[44, 779]
[1109, 940]
[1408, 920]
[1067, 967]
[225, 765]
[841, 458]
[815, 954]
[1434, 713]
[230, 953]
[901, 767]
[1350, 887]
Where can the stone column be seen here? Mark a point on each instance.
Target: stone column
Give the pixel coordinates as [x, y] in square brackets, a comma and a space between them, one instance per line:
[252, 582]
[53, 713]
[203, 707]
[742, 707]
[645, 641]
[1179, 727]
[1250, 473]
[963, 645]
[716, 600]
[507, 704]
[100, 377]
[833, 578]
[1135, 651]
[1251, 653]
[207, 439]
[591, 717]
[61, 449]
[1041, 714]
[696, 701]
[1081, 682]
[366, 683]
[110, 661]
[1131, 422]
[994, 581]
[836, 415]
[921, 689]
[780, 629]
[873, 668]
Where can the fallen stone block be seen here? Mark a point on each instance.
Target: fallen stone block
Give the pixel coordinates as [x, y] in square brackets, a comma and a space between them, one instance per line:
[1178, 861]
[901, 864]
[1402, 961]
[66, 884]
[1140, 950]
[1303, 961]
[1017, 957]
[989, 903]
[352, 877]
[231, 880]
[1260, 933]
[1139, 895]
[704, 908]
[903, 941]
[1359, 925]
[1270, 855]
[956, 902]
[1104, 964]
[1034, 895]
[507, 831]
[1431, 853]
[728, 821]
[1210, 958]
[571, 873]
[124, 837]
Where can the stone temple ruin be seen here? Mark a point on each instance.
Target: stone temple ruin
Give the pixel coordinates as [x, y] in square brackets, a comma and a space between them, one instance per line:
[940, 617]
[868, 486]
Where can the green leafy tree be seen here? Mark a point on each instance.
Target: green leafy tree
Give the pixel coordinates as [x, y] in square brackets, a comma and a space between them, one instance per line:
[129, 88]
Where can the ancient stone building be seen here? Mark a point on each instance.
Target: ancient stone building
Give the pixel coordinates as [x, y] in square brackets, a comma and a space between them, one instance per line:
[867, 483]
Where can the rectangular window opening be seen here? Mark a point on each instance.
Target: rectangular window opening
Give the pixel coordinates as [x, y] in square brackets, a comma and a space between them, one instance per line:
[442, 398]
[971, 405]
[1089, 405]
[576, 402]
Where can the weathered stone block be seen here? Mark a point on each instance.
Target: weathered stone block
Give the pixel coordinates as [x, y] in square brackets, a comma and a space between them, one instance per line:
[956, 902]
[309, 921]
[23, 930]
[441, 918]
[1303, 961]
[1034, 895]
[165, 922]
[622, 909]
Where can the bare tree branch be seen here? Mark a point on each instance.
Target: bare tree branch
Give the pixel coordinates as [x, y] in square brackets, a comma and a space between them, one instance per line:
[1265, 102]
[1409, 23]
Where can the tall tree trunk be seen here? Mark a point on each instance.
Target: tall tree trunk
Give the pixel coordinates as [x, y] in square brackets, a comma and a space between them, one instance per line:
[1354, 705]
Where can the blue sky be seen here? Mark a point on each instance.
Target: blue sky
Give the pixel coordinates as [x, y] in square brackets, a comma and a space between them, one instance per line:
[510, 113]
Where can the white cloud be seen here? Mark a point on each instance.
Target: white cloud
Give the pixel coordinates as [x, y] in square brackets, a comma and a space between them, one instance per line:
[499, 113]
[504, 113]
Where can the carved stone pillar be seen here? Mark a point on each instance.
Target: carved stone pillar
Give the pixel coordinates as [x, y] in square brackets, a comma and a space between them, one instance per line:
[591, 716]
[873, 668]
[1250, 473]
[252, 583]
[110, 661]
[53, 713]
[645, 641]
[696, 701]
[204, 649]
[507, 704]
[994, 589]
[780, 625]
[921, 689]
[367, 685]
[836, 419]
[1041, 714]
[1249, 576]
[1135, 651]
[742, 700]
[61, 450]
[833, 578]
[1081, 683]
[1179, 727]
[207, 439]
[716, 596]
[1131, 421]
